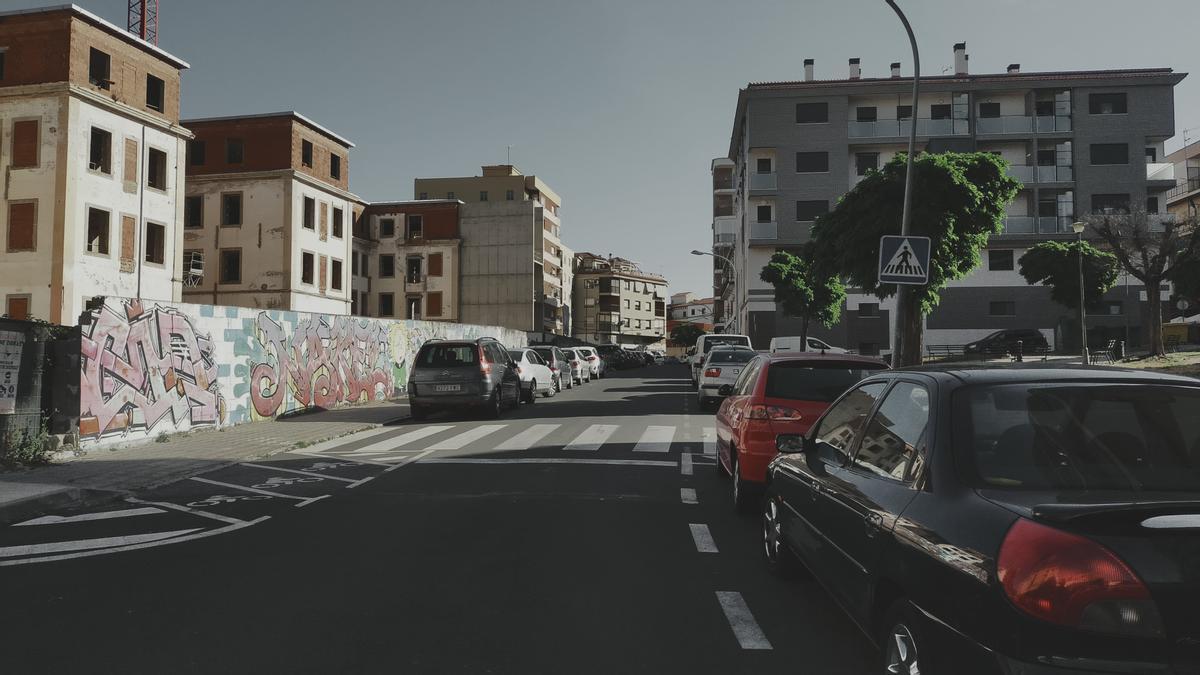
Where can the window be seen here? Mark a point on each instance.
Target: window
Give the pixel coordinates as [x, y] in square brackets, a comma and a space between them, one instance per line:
[508, 195]
[99, 68]
[637, 305]
[1110, 204]
[310, 213]
[156, 169]
[433, 304]
[627, 303]
[362, 303]
[1000, 260]
[764, 165]
[416, 227]
[1152, 205]
[335, 273]
[412, 310]
[893, 437]
[387, 227]
[353, 304]
[412, 269]
[365, 269]
[866, 161]
[335, 166]
[306, 153]
[354, 264]
[423, 195]
[812, 162]
[1110, 153]
[843, 422]
[97, 236]
[1107, 104]
[812, 113]
[868, 310]
[904, 112]
[2, 53]
[234, 151]
[16, 306]
[231, 266]
[809, 210]
[26, 143]
[483, 195]
[338, 226]
[156, 243]
[197, 152]
[22, 226]
[231, 209]
[435, 264]
[940, 111]
[990, 109]
[866, 113]
[1114, 308]
[1046, 156]
[100, 151]
[1151, 155]
[1002, 308]
[387, 266]
[764, 213]
[156, 92]
[307, 268]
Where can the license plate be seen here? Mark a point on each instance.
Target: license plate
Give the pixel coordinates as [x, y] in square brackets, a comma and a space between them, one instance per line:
[736, 371]
[447, 387]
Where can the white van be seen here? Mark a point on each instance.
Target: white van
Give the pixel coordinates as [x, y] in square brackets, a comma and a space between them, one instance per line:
[794, 344]
[704, 345]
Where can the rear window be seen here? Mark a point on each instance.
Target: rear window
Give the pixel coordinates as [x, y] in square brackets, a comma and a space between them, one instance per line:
[711, 342]
[732, 356]
[547, 354]
[821, 382]
[446, 356]
[1116, 437]
[516, 354]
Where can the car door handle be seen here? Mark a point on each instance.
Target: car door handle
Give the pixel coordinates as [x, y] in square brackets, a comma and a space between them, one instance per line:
[816, 490]
[874, 524]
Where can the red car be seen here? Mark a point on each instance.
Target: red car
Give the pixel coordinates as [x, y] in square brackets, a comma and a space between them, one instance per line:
[780, 393]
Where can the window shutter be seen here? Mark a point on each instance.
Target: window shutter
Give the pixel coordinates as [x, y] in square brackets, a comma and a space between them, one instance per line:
[25, 144]
[324, 209]
[129, 176]
[433, 304]
[22, 226]
[435, 264]
[324, 261]
[128, 241]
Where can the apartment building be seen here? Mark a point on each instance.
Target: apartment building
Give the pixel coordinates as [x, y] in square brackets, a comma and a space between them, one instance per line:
[687, 308]
[91, 150]
[268, 214]
[1080, 142]
[512, 271]
[406, 260]
[617, 303]
[1183, 200]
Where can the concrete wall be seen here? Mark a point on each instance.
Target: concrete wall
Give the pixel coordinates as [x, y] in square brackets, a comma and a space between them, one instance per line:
[155, 368]
[499, 278]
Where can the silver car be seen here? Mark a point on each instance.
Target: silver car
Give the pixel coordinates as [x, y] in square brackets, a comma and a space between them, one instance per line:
[722, 366]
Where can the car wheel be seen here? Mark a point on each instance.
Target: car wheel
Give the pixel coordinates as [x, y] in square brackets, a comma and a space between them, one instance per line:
[780, 559]
[417, 412]
[532, 396]
[742, 500]
[550, 391]
[558, 384]
[495, 406]
[901, 642]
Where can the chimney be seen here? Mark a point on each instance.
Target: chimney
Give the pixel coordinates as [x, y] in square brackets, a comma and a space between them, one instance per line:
[1014, 68]
[808, 70]
[960, 58]
[855, 69]
[896, 69]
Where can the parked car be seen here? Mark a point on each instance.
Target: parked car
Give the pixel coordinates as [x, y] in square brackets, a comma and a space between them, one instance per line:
[580, 372]
[556, 359]
[536, 377]
[451, 374]
[722, 367]
[797, 344]
[777, 394]
[705, 343]
[1004, 342]
[594, 362]
[1026, 520]
[611, 355]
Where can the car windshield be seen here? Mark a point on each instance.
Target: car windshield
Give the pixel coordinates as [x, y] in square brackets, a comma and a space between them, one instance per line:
[516, 354]
[819, 382]
[731, 356]
[730, 340]
[545, 353]
[445, 356]
[1131, 437]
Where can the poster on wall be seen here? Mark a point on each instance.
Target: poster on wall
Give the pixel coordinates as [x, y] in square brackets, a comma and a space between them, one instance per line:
[11, 344]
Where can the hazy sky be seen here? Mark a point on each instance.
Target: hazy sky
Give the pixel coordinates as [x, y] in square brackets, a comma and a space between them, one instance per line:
[619, 105]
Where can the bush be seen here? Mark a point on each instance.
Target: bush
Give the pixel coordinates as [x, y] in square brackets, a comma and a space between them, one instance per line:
[27, 449]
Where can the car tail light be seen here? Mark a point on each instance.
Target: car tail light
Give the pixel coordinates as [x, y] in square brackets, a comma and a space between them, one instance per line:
[554, 369]
[518, 370]
[484, 366]
[1070, 580]
[775, 413]
[591, 358]
[712, 372]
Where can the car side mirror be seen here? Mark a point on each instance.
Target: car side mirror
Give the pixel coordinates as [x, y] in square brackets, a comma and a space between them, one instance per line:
[790, 443]
[725, 390]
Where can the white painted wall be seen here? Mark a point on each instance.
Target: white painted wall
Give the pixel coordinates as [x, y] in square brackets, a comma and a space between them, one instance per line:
[308, 297]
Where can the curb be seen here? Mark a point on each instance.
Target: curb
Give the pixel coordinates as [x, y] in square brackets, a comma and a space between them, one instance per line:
[67, 497]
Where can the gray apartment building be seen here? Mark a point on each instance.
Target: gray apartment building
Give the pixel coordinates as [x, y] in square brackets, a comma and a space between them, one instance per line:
[1080, 142]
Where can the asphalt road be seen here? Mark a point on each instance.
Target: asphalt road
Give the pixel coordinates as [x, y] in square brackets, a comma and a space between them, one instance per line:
[562, 538]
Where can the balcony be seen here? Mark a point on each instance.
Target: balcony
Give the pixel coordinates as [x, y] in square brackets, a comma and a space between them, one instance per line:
[1020, 225]
[1005, 124]
[723, 180]
[1183, 189]
[551, 301]
[762, 181]
[1055, 174]
[1160, 173]
[901, 128]
[723, 240]
[764, 230]
[414, 285]
[1050, 124]
[1157, 222]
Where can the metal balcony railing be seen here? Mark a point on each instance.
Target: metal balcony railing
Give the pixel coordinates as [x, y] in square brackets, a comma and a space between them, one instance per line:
[1005, 124]
[1020, 225]
[764, 230]
[900, 128]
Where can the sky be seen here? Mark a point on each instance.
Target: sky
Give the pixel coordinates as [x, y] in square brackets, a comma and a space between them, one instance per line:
[618, 105]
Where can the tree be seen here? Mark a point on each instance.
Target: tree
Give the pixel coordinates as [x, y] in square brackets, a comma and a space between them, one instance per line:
[1056, 264]
[685, 334]
[958, 202]
[804, 290]
[1151, 251]
[1186, 278]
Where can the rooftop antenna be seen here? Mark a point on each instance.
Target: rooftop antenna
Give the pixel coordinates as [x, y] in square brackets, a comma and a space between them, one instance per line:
[143, 19]
[508, 157]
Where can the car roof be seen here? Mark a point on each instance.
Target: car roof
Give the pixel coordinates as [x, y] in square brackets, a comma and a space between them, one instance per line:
[777, 357]
[732, 348]
[1045, 372]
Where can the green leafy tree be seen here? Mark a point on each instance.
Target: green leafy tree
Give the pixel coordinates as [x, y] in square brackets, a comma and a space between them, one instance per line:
[1056, 264]
[685, 334]
[958, 202]
[804, 289]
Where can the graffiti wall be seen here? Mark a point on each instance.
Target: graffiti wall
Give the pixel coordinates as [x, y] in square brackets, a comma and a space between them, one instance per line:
[151, 368]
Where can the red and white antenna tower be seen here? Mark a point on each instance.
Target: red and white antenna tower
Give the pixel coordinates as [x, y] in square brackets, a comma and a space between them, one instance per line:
[143, 19]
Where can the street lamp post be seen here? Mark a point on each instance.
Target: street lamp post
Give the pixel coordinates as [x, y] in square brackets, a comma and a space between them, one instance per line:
[1083, 350]
[902, 291]
[732, 270]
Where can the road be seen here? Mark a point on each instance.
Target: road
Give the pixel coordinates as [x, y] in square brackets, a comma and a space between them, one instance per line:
[562, 538]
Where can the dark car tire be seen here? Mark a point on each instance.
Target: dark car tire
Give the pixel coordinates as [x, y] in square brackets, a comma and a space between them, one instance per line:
[743, 497]
[495, 405]
[532, 395]
[781, 561]
[901, 641]
[550, 391]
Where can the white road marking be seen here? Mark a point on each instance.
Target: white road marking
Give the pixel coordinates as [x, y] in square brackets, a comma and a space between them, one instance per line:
[703, 538]
[710, 441]
[745, 628]
[304, 501]
[83, 517]
[688, 495]
[187, 509]
[357, 460]
[655, 439]
[406, 462]
[545, 460]
[297, 471]
[592, 438]
[469, 436]
[685, 464]
[85, 544]
[526, 439]
[335, 443]
[390, 444]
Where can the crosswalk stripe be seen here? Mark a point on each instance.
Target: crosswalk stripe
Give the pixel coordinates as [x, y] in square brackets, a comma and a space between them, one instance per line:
[469, 436]
[592, 438]
[710, 441]
[655, 439]
[390, 444]
[526, 439]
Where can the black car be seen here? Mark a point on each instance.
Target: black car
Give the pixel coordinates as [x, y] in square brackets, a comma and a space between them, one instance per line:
[1009, 341]
[453, 374]
[613, 356]
[1016, 521]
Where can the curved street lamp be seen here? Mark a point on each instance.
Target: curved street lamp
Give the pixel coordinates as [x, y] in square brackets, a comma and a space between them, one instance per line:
[732, 267]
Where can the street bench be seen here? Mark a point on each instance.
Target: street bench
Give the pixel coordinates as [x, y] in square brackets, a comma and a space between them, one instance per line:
[943, 351]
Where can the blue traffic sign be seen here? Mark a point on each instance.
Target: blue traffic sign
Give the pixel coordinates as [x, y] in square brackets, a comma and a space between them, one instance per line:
[904, 260]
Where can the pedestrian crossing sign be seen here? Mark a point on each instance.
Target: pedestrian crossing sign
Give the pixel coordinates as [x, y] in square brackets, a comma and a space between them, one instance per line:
[903, 260]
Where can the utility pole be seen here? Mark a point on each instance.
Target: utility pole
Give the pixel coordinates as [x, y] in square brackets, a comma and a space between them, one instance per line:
[903, 294]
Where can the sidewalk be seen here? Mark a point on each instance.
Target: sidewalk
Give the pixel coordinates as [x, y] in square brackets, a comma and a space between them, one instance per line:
[103, 475]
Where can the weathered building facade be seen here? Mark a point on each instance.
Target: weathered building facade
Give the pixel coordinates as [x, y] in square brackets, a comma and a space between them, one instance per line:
[617, 303]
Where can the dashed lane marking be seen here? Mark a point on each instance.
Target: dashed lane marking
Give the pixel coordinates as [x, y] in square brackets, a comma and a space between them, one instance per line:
[592, 438]
[703, 538]
[466, 437]
[526, 439]
[745, 628]
[688, 495]
[303, 501]
[655, 439]
[84, 517]
[685, 464]
[85, 544]
[297, 471]
[546, 460]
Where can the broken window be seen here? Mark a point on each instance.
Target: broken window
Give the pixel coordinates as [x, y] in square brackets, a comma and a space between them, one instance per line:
[156, 93]
[156, 169]
[231, 208]
[306, 153]
[99, 68]
[97, 232]
[100, 151]
[156, 243]
[231, 266]
[310, 213]
[335, 273]
[306, 268]
[234, 151]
